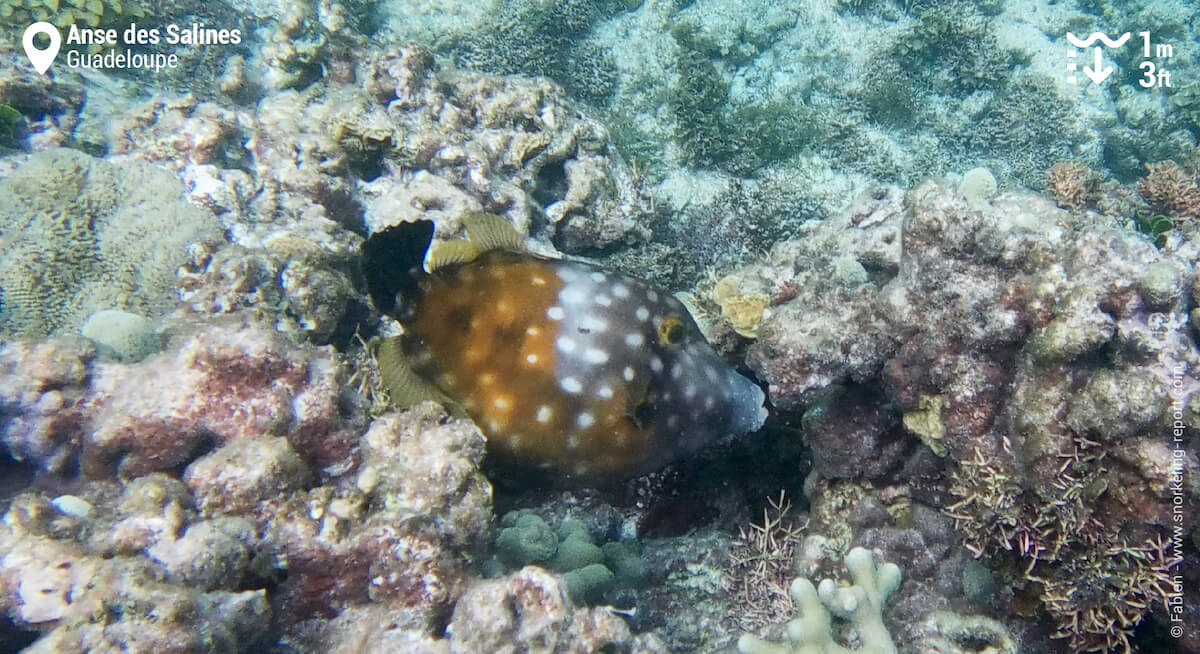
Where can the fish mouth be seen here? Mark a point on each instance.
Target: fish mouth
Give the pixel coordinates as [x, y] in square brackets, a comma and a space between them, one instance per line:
[749, 405]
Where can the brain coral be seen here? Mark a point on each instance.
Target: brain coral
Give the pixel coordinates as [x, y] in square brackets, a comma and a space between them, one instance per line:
[80, 235]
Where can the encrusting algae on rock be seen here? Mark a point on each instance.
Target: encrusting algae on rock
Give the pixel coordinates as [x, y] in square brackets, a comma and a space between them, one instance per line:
[567, 368]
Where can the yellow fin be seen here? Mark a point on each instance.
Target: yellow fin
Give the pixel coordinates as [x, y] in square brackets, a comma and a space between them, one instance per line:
[403, 385]
[488, 232]
[446, 253]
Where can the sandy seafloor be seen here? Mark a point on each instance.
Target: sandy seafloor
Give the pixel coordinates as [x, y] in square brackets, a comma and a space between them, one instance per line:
[958, 256]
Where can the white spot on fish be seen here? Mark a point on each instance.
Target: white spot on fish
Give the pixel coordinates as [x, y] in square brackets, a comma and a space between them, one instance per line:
[598, 277]
[656, 364]
[571, 295]
[585, 420]
[642, 313]
[676, 371]
[544, 414]
[538, 280]
[627, 373]
[652, 296]
[605, 392]
[602, 300]
[532, 358]
[711, 373]
[501, 402]
[570, 385]
[556, 313]
[709, 402]
[689, 391]
[592, 355]
[634, 339]
[593, 323]
[673, 422]
[565, 344]
[532, 331]
[572, 442]
[620, 290]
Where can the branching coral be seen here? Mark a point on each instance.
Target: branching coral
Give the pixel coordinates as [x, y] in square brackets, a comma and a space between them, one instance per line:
[1094, 582]
[1071, 183]
[860, 603]
[762, 560]
[1173, 188]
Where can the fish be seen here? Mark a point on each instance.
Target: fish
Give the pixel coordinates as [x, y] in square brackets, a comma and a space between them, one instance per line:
[586, 374]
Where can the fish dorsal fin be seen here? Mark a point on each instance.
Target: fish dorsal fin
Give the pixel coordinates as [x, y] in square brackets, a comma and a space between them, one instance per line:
[404, 386]
[446, 253]
[487, 232]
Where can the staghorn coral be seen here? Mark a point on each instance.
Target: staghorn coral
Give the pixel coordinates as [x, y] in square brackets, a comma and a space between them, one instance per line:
[762, 560]
[860, 603]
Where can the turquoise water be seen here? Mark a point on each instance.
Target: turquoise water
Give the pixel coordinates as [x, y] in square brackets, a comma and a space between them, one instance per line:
[953, 243]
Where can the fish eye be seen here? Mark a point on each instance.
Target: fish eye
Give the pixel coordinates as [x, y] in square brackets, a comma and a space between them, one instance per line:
[671, 331]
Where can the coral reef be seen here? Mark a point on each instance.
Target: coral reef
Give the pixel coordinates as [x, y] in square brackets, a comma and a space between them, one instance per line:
[860, 603]
[217, 383]
[1038, 364]
[89, 589]
[402, 138]
[966, 378]
[84, 235]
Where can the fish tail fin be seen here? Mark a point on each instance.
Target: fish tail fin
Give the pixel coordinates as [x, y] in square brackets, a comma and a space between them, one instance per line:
[393, 265]
[404, 386]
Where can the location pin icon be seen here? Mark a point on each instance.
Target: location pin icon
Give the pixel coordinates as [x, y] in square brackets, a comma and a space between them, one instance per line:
[41, 59]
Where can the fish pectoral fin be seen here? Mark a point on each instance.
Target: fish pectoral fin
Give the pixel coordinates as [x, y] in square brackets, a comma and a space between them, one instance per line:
[447, 253]
[488, 232]
[403, 385]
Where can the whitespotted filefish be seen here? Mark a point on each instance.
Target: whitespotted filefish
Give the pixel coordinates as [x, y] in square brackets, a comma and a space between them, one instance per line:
[587, 374]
